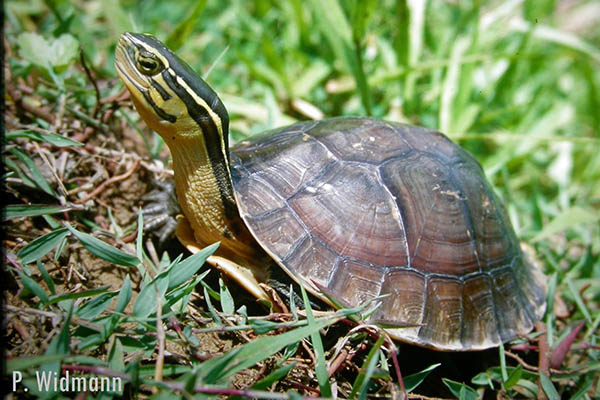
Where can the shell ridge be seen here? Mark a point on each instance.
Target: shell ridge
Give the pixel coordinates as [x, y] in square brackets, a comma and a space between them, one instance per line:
[468, 216]
[522, 298]
[420, 333]
[421, 230]
[323, 172]
[401, 215]
[294, 248]
[318, 178]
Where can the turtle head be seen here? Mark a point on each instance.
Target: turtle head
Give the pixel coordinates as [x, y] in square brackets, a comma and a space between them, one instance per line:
[171, 98]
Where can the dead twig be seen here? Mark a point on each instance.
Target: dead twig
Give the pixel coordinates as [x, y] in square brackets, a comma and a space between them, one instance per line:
[544, 358]
[109, 181]
[535, 369]
[117, 98]
[337, 362]
[94, 83]
[160, 342]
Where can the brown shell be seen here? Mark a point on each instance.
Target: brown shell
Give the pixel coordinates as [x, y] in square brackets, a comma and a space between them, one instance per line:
[366, 208]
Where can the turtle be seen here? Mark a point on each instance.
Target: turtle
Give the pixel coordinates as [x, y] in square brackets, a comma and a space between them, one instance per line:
[354, 208]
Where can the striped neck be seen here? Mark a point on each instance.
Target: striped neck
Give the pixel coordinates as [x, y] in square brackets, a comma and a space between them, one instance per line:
[205, 195]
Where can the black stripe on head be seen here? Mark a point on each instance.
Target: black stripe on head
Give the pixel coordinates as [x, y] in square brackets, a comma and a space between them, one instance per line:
[159, 111]
[212, 140]
[163, 93]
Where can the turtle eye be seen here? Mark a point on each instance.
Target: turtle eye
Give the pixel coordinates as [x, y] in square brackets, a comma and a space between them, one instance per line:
[148, 64]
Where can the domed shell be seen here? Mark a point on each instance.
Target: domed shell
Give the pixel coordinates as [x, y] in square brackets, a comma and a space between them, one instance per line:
[366, 208]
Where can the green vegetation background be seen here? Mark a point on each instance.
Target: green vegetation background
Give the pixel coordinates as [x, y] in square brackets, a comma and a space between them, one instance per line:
[517, 83]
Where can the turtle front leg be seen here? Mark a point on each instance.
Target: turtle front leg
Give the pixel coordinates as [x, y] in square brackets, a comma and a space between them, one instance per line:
[161, 210]
[245, 275]
[249, 275]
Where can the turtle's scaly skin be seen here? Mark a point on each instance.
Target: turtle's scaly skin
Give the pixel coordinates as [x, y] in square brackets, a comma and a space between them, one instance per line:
[366, 208]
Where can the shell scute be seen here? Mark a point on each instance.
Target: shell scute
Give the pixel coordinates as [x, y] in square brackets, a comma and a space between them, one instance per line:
[479, 310]
[432, 203]
[367, 141]
[406, 301]
[443, 308]
[494, 238]
[356, 282]
[311, 258]
[512, 311]
[347, 210]
[280, 228]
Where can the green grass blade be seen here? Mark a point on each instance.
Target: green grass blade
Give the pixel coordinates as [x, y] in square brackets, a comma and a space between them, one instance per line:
[59, 345]
[51, 138]
[416, 36]
[334, 25]
[363, 10]
[182, 31]
[46, 277]
[565, 220]
[35, 172]
[139, 245]
[217, 367]
[211, 309]
[264, 347]
[416, 29]
[19, 211]
[16, 168]
[460, 390]
[106, 252]
[41, 246]
[146, 302]
[411, 382]
[115, 356]
[33, 287]
[549, 388]
[514, 377]
[550, 34]
[184, 270]
[94, 307]
[310, 78]
[452, 85]
[26, 362]
[315, 338]
[124, 295]
[227, 304]
[583, 389]
[178, 298]
[261, 327]
[578, 300]
[273, 377]
[502, 358]
[361, 383]
[77, 295]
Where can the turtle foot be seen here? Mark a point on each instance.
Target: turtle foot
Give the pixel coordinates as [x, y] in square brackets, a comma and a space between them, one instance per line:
[160, 211]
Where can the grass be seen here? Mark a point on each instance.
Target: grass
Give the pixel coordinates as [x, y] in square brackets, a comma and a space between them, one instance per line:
[516, 83]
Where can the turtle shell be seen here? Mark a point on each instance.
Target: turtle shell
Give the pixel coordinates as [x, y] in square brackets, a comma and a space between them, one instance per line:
[367, 208]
